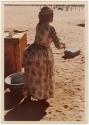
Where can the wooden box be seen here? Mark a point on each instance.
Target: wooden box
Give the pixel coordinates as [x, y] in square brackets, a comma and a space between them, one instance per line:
[13, 52]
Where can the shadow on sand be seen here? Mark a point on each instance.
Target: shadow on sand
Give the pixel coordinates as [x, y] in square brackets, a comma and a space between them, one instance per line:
[68, 57]
[25, 111]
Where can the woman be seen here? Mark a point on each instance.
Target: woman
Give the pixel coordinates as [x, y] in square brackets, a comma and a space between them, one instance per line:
[38, 59]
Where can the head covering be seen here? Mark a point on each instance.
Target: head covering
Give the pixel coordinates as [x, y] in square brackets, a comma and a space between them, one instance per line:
[45, 15]
[46, 11]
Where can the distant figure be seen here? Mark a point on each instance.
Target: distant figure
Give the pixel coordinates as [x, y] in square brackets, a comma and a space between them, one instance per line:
[38, 59]
[59, 8]
[67, 8]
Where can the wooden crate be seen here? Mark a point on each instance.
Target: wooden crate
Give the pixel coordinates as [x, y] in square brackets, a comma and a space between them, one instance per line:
[13, 52]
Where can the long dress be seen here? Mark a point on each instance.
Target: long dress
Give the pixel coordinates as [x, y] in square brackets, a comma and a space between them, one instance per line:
[39, 63]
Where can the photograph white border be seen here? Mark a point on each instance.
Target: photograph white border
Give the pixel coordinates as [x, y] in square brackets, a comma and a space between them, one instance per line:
[2, 58]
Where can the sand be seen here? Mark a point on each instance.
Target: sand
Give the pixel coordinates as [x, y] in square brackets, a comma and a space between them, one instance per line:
[69, 101]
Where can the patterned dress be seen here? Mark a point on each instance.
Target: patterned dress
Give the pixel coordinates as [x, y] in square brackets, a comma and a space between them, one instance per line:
[39, 61]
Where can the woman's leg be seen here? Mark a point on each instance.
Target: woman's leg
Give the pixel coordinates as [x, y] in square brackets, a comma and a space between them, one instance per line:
[28, 95]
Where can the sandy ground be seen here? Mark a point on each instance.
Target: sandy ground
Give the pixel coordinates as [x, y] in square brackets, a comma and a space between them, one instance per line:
[69, 101]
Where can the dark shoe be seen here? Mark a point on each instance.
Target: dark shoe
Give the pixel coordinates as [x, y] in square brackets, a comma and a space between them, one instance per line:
[29, 97]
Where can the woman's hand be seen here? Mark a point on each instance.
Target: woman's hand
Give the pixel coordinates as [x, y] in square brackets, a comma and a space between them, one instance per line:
[62, 46]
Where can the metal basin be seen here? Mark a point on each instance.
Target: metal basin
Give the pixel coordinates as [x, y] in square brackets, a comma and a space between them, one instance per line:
[15, 81]
[15, 84]
[71, 52]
